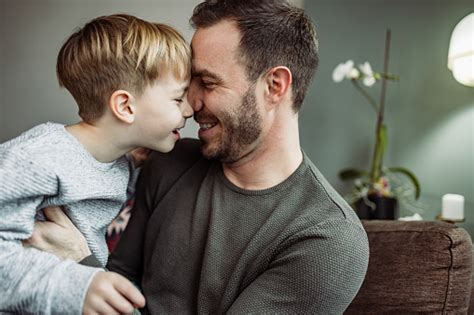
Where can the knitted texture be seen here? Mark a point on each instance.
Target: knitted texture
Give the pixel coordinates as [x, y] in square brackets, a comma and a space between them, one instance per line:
[47, 166]
[211, 247]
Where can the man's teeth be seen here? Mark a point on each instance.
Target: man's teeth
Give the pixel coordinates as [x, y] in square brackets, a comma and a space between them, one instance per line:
[206, 126]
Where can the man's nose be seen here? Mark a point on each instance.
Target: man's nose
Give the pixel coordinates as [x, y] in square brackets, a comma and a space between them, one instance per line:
[186, 109]
[195, 96]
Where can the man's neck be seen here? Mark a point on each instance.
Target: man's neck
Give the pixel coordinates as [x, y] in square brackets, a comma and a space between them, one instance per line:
[268, 165]
[101, 143]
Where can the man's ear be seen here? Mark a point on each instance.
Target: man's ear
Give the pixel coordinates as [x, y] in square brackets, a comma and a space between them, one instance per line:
[278, 83]
[121, 104]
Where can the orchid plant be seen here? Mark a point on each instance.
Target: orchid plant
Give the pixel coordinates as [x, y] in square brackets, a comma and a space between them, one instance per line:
[377, 181]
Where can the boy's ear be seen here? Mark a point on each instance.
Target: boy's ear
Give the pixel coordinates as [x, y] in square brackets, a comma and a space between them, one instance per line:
[278, 83]
[121, 103]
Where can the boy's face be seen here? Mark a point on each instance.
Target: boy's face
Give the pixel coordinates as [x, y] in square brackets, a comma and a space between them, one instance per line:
[162, 109]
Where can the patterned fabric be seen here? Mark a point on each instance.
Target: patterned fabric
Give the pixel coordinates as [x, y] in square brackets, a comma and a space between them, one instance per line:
[118, 225]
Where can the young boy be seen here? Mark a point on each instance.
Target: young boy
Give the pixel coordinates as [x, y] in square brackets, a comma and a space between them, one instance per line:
[128, 78]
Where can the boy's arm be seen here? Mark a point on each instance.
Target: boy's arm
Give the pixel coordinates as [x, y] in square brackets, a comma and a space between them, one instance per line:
[67, 242]
[32, 281]
[35, 281]
[108, 292]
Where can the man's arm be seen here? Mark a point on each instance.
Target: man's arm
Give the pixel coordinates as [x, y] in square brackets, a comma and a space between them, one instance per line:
[318, 271]
[127, 257]
[59, 236]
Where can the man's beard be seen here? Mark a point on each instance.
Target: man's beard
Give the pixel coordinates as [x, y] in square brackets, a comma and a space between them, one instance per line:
[239, 130]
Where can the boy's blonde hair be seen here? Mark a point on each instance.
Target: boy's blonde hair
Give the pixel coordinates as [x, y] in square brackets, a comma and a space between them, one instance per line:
[118, 52]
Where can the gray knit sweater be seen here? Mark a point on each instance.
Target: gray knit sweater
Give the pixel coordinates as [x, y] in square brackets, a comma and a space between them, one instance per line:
[199, 244]
[47, 166]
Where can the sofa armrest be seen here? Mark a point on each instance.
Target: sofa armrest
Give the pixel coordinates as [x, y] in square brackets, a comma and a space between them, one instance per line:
[471, 304]
[416, 267]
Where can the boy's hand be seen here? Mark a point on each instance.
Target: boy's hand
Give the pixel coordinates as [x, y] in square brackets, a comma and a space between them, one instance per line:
[111, 293]
[58, 236]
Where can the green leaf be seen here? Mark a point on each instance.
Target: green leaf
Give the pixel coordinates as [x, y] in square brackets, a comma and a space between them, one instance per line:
[411, 176]
[352, 173]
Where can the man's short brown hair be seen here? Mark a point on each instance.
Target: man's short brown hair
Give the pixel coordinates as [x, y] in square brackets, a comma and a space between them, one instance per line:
[273, 33]
[118, 52]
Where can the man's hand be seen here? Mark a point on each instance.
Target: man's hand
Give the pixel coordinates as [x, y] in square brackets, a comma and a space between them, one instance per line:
[139, 156]
[58, 236]
[110, 293]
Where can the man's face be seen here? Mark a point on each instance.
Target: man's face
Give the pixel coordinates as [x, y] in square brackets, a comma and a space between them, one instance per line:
[224, 101]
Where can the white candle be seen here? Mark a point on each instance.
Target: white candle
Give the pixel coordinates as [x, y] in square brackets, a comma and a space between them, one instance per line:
[453, 207]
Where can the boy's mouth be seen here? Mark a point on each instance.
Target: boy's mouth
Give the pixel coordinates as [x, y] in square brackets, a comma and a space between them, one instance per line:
[176, 131]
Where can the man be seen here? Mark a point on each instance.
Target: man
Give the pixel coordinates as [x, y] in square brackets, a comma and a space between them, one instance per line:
[243, 222]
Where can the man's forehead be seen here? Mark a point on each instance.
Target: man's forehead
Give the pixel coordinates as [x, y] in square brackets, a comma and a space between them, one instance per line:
[212, 54]
[215, 54]
[223, 37]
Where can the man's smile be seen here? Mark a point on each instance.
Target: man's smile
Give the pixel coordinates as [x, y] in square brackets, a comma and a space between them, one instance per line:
[205, 126]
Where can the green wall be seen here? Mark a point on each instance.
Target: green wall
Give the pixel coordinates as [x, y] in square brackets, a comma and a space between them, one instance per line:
[430, 116]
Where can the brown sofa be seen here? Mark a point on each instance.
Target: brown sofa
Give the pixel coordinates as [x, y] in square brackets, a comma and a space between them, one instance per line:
[423, 267]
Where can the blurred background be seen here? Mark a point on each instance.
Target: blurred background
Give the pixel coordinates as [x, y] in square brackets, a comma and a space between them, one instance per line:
[429, 115]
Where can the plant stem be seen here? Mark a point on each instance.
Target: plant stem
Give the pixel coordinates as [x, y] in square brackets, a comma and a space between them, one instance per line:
[367, 95]
[389, 76]
[380, 134]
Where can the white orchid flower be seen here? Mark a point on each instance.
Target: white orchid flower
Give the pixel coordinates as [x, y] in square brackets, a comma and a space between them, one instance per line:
[345, 70]
[353, 74]
[366, 69]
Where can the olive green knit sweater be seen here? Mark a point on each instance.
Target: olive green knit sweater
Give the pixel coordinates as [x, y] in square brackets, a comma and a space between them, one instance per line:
[199, 244]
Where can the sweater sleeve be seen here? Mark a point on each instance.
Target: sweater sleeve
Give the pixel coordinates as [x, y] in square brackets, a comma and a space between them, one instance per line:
[157, 175]
[318, 271]
[32, 281]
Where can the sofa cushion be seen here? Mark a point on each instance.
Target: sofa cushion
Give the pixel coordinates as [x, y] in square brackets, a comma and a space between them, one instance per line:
[415, 267]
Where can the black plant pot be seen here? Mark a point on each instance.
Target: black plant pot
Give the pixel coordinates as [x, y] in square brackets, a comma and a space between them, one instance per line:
[386, 208]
